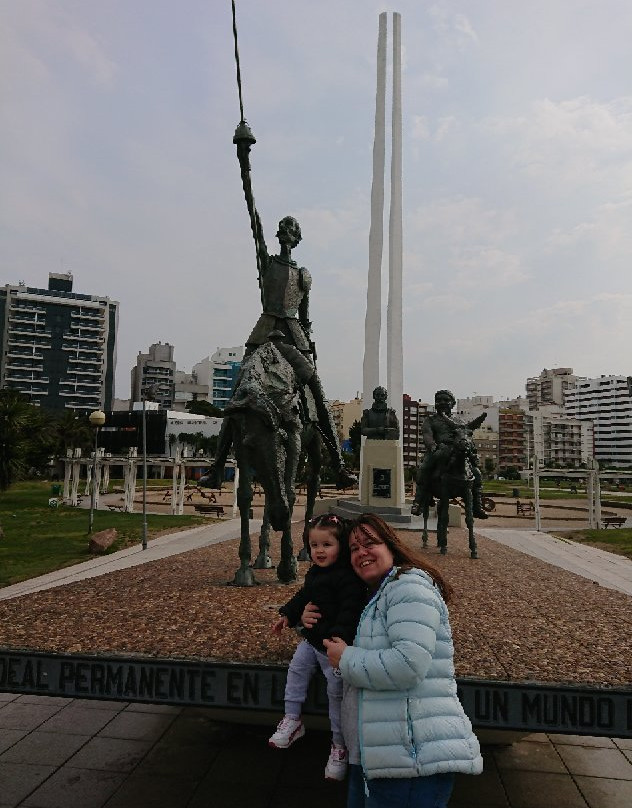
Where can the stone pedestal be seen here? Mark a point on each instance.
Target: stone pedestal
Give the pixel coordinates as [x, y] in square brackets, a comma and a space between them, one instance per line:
[380, 485]
[380, 481]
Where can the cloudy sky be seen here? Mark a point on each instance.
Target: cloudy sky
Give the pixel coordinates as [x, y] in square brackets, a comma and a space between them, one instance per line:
[117, 164]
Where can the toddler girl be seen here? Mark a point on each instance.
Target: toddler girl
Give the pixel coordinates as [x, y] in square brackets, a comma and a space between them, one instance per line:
[340, 596]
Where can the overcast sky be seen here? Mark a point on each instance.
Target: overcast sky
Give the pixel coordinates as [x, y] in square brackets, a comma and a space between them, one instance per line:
[117, 164]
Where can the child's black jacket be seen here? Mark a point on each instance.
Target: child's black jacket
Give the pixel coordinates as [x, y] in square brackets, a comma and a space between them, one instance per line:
[340, 596]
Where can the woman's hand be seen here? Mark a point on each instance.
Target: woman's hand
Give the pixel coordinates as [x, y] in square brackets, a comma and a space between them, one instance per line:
[280, 624]
[310, 615]
[335, 649]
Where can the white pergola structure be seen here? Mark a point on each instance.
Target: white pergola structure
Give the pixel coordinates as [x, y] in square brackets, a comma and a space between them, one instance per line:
[593, 477]
[129, 463]
[373, 318]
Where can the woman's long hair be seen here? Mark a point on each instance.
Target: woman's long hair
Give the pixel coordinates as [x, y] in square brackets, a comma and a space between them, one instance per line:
[404, 557]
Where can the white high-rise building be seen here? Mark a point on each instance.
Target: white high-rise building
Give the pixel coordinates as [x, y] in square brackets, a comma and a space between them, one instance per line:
[549, 387]
[560, 440]
[154, 375]
[607, 402]
[219, 373]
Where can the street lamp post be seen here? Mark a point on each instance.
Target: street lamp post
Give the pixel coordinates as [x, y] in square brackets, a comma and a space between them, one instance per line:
[97, 419]
[144, 537]
[147, 395]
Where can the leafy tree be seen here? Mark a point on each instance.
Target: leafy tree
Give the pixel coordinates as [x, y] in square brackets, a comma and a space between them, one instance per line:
[72, 431]
[26, 437]
[200, 407]
[355, 437]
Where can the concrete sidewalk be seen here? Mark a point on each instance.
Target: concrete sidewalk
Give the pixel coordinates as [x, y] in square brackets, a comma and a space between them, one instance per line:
[69, 753]
[162, 547]
[65, 753]
[607, 569]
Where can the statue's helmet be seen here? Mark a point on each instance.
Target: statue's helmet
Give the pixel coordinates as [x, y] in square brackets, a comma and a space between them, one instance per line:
[289, 231]
[446, 394]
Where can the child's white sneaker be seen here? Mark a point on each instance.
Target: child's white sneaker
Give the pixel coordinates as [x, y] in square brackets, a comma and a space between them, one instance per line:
[336, 767]
[289, 730]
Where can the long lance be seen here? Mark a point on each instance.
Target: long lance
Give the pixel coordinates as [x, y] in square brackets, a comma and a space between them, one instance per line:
[241, 102]
[244, 136]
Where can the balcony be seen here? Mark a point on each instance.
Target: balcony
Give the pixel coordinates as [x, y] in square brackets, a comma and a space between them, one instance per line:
[21, 381]
[80, 341]
[95, 314]
[23, 354]
[82, 369]
[18, 365]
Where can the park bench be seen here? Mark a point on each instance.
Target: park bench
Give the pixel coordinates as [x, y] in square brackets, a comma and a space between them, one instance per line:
[524, 508]
[217, 509]
[613, 521]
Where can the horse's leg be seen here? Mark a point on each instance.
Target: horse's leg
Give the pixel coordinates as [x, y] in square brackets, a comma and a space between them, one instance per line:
[263, 561]
[244, 575]
[442, 519]
[424, 532]
[469, 519]
[287, 571]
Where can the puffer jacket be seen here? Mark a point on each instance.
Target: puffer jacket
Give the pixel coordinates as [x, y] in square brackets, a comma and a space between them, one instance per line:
[410, 721]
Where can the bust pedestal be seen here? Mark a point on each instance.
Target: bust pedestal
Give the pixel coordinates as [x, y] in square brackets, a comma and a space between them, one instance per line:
[380, 485]
[381, 481]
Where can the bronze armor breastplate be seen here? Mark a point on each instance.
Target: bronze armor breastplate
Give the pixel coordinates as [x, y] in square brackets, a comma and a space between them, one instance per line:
[281, 285]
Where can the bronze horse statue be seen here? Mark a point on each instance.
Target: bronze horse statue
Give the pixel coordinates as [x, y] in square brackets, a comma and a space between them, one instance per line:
[452, 477]
[265, 430]
[311, 455]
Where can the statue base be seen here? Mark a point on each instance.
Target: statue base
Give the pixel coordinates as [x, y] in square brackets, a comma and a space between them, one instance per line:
[380, 484]
[399, 518]
[381, 478]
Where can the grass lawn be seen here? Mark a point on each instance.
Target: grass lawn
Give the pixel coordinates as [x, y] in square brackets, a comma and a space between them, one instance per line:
[547, 490]
[38, 539]
[613, 540]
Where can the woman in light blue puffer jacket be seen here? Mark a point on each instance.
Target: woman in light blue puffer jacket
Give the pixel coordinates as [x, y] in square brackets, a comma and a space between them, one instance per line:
[404, 726]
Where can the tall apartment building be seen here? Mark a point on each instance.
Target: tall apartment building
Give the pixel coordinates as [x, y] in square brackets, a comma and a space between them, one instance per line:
[470, 408]
[607, 403]
[154, 375]
[219, 373]
[486, 441]
[188, 388]
[58, 346]
[512, 437]
[345, 414]
[559, 440]
[413, 414]
[549, 387]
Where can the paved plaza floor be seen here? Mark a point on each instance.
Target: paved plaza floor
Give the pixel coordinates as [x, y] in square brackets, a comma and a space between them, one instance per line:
[69, 753]
[65, 753]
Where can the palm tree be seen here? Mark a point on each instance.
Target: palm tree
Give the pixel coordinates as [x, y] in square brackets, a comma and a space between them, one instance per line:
[72, 431]
[18, 435]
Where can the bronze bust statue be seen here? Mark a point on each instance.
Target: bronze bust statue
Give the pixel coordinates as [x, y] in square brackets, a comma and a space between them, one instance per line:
[380, 422]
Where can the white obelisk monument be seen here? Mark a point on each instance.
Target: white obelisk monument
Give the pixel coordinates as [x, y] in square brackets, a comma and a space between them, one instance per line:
[373, 320]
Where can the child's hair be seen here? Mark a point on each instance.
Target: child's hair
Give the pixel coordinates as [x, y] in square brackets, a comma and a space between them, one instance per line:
[338, 527]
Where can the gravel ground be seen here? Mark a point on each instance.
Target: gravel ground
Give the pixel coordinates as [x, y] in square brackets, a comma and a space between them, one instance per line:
[514, 618]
